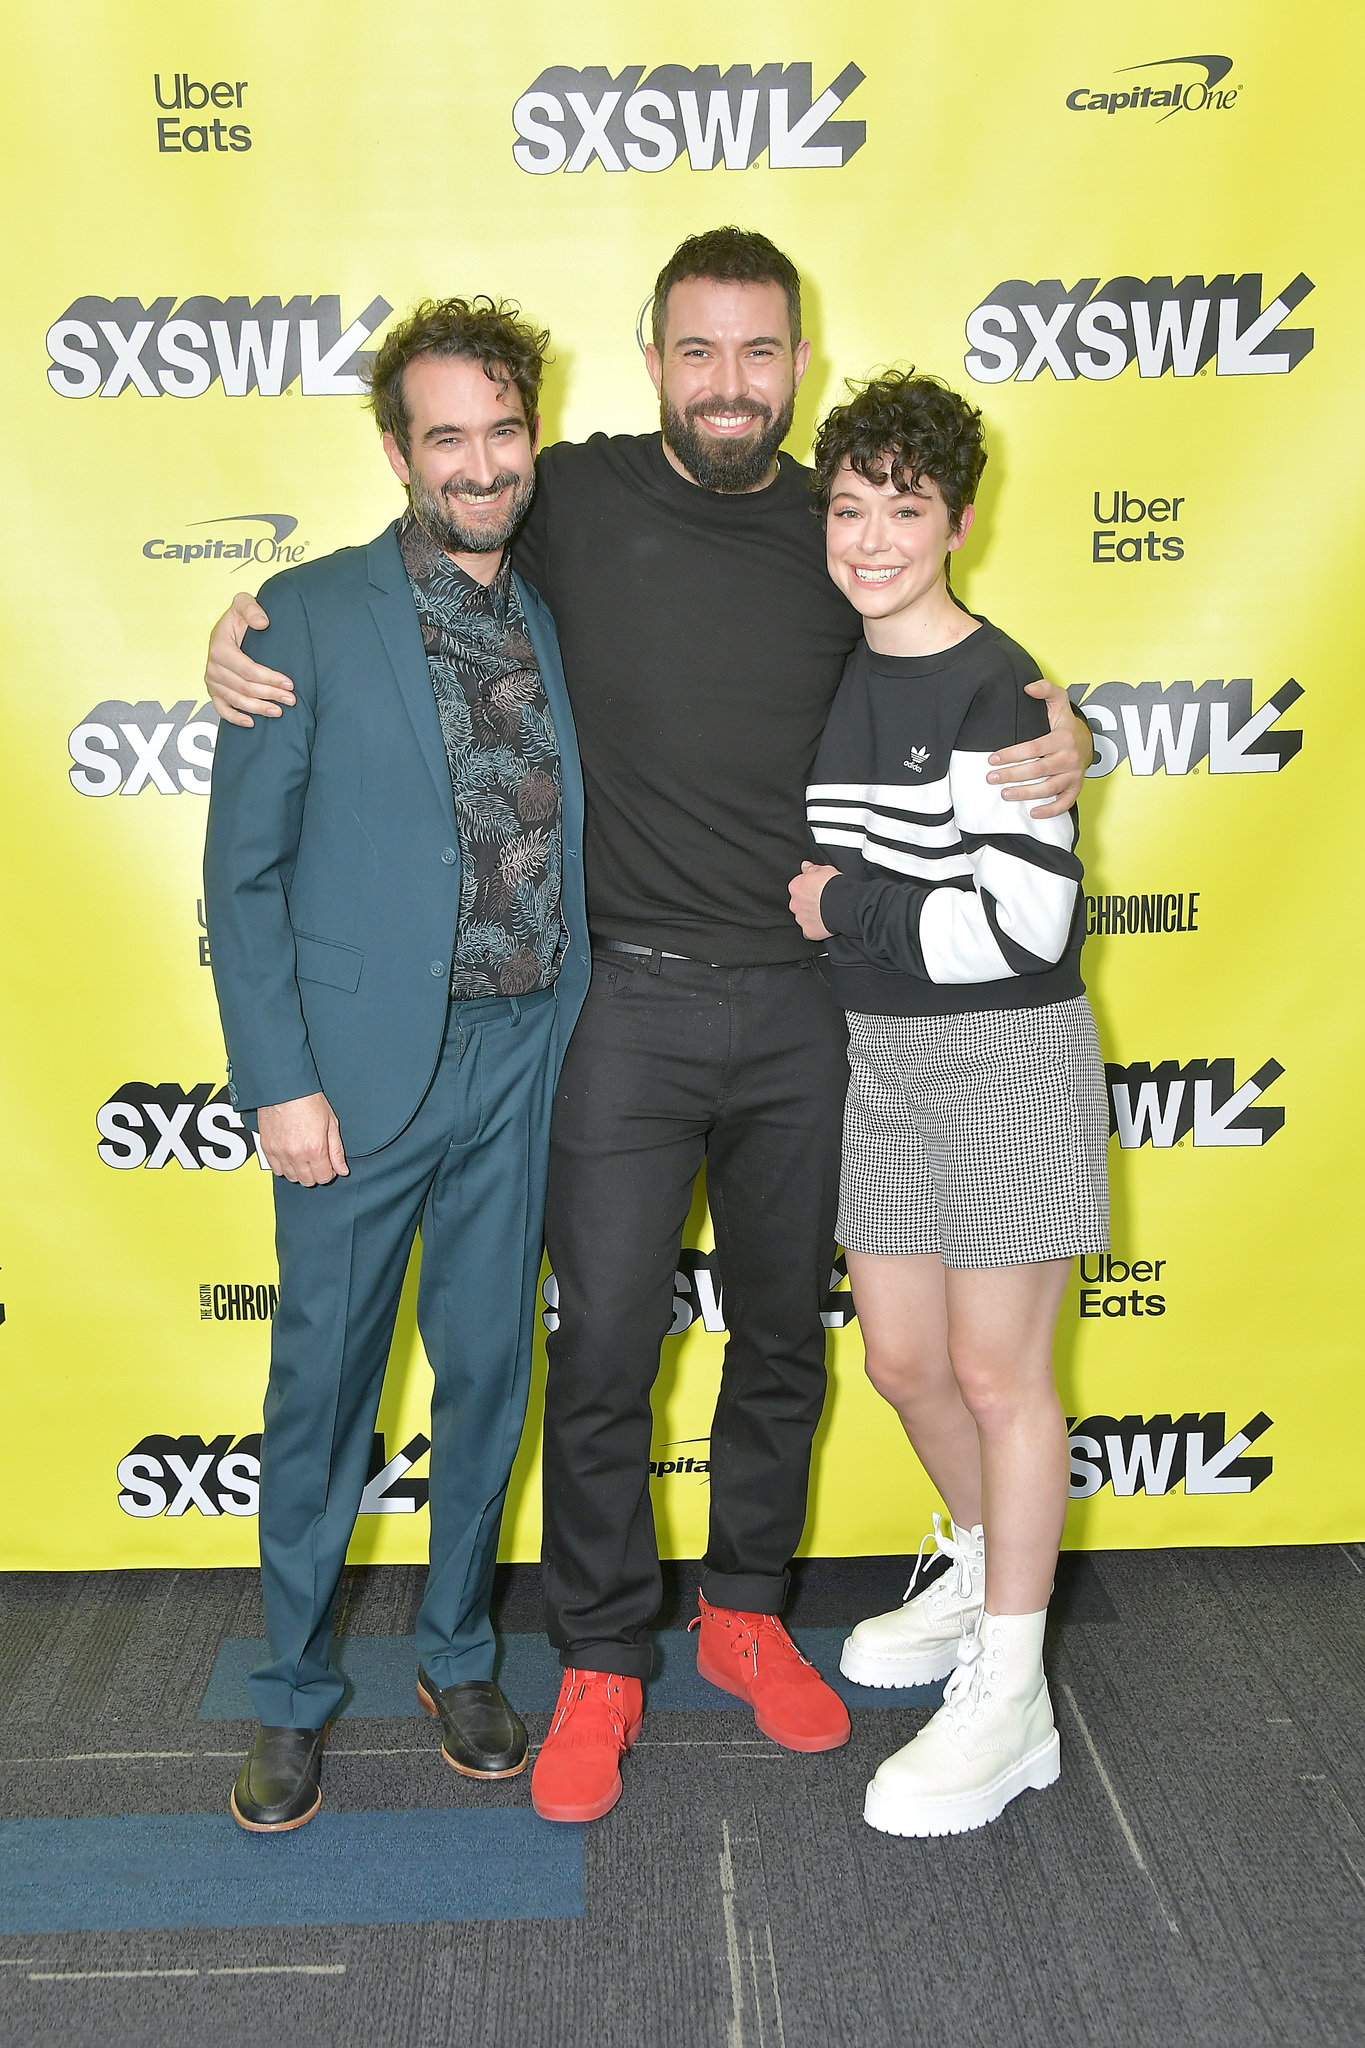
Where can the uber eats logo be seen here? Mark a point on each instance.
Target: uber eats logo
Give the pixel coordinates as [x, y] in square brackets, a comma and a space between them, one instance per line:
[1096, 330]
[1156, 1455]
[1160, 1105]
[161, 350]
[568, 119]
[143, 1125]
[1177, 727]
[169, 1475]
[122, 749]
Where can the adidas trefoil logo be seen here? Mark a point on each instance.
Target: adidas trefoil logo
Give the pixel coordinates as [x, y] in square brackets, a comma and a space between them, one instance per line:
[918, 757]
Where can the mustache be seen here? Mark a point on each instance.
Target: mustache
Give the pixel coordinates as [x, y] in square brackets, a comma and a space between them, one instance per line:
[458, 487]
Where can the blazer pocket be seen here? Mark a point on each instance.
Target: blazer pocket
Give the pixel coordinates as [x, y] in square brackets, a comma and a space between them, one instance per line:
[326, 961]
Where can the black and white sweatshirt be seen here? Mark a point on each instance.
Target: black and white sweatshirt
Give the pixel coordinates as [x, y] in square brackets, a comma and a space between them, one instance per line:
[948, 898]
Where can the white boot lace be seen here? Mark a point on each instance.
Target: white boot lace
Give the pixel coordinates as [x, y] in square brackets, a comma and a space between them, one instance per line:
[969, 1686]
[945, 1546]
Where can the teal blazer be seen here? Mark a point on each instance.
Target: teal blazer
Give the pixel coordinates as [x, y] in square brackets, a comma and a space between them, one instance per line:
[332, 862]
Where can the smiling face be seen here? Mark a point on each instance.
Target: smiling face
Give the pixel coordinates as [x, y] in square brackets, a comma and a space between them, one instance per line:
[470, 470]
[726, 378]
[886, 548]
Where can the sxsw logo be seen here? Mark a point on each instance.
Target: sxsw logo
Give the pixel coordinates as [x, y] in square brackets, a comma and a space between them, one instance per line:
[169, 1475]
[1096, 331]
[126, 748]
[1160, 1105]
[1183, 94]
[568, 119]
[698, 1296]
[1176, 728]
[1154, 1456]
[271, 547]
[112, 345]
[142, 1125]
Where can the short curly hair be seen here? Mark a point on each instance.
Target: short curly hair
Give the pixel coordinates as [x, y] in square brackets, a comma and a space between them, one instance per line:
[727, 256]
[908, 427]
[487, 331]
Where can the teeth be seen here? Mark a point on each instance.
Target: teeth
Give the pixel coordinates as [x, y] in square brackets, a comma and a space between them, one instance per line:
[875, 575]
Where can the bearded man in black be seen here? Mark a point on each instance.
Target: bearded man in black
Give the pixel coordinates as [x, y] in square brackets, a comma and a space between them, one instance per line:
[703, 643]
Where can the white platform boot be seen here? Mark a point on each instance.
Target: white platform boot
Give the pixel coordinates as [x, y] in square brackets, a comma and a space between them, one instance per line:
[992, 1738]
[917, 1642]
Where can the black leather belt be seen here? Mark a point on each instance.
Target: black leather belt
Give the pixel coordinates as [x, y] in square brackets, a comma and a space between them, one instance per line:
[653, 958]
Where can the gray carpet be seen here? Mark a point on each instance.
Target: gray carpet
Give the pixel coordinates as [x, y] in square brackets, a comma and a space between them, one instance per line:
[1198, 1875]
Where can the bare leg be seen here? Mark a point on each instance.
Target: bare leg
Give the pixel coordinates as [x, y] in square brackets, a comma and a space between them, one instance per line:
[902, 1305]
[1000, 1322]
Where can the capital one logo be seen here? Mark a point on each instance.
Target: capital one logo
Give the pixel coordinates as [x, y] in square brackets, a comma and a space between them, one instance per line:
[1164, 96]
[122, 749]
[114, 345]
[1177, 728]
[1201, 1099]
[1095, 331]
[568, 119]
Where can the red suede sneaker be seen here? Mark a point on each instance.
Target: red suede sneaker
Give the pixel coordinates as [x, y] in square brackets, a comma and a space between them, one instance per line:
[752, 1656]
[578, 1772]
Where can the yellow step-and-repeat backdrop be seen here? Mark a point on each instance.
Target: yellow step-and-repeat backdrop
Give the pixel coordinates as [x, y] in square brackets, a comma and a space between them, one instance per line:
[1140, 262]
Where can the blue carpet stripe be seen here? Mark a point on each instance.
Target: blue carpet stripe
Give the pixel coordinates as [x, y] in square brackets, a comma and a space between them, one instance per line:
[356, 1869]
[381, 1675]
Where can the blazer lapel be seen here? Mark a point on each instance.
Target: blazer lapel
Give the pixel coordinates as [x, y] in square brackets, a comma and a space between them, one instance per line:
[395, 615]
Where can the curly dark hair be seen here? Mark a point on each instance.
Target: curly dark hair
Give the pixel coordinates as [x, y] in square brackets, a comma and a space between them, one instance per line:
[732, 256]
[908, 427]
[487, 331]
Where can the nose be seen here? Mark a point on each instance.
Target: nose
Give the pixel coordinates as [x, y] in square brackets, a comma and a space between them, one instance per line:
[481, 469]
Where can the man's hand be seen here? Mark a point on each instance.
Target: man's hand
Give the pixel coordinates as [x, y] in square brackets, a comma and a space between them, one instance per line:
[805, 892]
[238, 685]
[1052, 767]
[302, 1140]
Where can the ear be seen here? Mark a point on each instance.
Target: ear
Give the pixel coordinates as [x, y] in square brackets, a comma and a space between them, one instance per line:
[964, 527]
[535, 435]
[800, 363]
[654, 363]
[397, 460]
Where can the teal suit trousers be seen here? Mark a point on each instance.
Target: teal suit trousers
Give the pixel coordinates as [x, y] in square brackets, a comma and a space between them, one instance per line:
[469, 1170]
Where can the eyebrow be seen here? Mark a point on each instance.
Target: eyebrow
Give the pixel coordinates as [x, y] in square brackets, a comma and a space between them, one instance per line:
[510, 419]
[709, 341]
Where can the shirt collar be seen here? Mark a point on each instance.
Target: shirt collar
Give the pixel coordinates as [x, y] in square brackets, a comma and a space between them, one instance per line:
[434, 573]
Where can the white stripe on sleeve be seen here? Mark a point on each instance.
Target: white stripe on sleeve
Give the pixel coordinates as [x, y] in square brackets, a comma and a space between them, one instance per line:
[980, 806]
[1033, 906]
[957, 942]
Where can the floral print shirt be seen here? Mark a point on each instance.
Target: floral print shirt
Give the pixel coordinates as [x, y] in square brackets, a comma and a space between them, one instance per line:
[504, 771]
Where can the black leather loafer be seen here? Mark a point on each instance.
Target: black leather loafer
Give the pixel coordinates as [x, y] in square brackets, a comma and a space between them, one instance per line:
[480, 1734]
[280, 1784]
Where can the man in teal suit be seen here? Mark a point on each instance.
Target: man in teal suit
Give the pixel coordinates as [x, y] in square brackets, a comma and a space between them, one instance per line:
[395, 902]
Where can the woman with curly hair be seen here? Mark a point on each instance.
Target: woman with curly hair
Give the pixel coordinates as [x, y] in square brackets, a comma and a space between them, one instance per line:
[976, 1129]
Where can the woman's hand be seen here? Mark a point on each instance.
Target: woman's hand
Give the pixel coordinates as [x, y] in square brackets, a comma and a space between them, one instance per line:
[805, 891]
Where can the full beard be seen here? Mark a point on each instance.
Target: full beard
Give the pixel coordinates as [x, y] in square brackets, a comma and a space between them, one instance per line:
[725, 465]
[437, 513]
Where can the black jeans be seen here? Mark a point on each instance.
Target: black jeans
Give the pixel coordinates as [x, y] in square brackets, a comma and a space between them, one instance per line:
[746, 1068]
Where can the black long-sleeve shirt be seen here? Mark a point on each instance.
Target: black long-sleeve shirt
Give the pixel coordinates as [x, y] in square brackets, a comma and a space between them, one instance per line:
[703, 643]
[948, 898]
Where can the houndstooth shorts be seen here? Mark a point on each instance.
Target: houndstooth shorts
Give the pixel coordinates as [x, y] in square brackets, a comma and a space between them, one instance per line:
[983, 1137]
